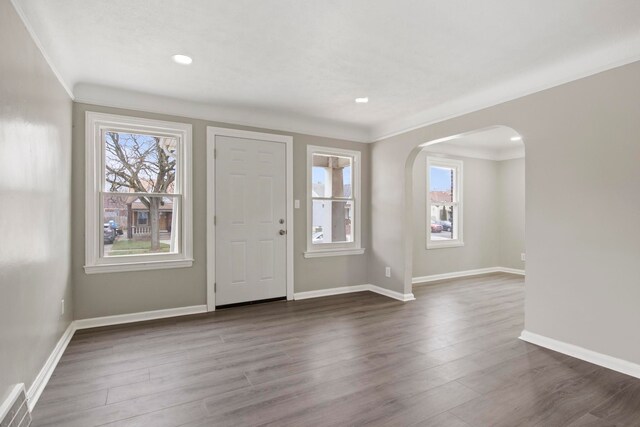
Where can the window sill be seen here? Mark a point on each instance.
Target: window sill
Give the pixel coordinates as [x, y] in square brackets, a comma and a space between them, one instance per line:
[333, 252]
[137, 266]
[441, 245]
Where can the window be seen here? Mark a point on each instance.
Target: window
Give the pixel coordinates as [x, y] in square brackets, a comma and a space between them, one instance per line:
[444, 203]
[333, 202]
[138, 213]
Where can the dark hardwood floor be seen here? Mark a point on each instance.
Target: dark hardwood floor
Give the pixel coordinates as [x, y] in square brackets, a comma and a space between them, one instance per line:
[451, 358]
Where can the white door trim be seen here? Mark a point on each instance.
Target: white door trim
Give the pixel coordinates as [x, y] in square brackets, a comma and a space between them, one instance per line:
[212, 132]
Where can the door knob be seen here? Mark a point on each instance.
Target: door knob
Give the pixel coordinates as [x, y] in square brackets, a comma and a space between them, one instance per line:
[283, 232]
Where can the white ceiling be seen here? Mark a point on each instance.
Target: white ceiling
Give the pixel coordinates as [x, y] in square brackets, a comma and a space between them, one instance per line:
[298, 64]
[492, 144]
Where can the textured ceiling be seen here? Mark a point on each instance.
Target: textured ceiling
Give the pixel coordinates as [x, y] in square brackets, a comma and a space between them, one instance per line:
[299, 62]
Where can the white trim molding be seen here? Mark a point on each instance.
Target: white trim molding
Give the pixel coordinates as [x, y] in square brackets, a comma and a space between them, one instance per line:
[356, 288]
[392, 294]
[315, 250]
[119, 319]
[262, 118]
[456, 205]
[605, 57]
[38, 385]
[331, 291]
[334, 252]
[38, 43]
[212, 132]
[8, 403]
[581, 353]
[456, 274]
[182, 233]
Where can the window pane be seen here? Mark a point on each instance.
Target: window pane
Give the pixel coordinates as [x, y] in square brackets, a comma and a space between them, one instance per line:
[138, 225]
[443, 224]
[139, 163]
[331, 176]
[332, 221]
[441, 184]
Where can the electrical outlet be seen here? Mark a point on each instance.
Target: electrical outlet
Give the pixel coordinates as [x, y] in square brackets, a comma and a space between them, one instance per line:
[296, 204]
[522, 257]
[387, 271]
[61, 307]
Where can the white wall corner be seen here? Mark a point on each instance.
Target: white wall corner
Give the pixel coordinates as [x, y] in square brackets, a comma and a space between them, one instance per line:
[581, 353]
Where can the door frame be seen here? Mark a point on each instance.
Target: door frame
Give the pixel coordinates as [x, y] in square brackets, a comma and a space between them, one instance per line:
[212, 133]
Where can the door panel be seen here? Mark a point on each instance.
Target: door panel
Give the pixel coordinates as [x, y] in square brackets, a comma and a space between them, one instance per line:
[250, 192]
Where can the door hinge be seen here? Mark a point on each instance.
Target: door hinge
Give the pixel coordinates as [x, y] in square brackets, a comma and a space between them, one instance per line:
[214, 220]
[215, 287]
[215, 153]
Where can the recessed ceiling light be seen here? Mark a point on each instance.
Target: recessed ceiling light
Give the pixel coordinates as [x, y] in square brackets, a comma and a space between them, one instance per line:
[362, 100]
[182, 59]
[516, 138]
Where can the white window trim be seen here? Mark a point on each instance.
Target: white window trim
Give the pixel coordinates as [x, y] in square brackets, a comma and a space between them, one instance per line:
[335, 249]
[457, 165]
[94, 164]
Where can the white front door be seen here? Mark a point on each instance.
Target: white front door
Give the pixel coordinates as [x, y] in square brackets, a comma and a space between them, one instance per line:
[250, 209]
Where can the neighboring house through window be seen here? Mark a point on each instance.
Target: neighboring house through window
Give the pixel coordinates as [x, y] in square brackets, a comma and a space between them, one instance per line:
[333, 202]
[444, 203]
[138, 194]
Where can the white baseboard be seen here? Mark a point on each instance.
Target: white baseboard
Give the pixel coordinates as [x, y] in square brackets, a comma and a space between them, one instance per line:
[465, 273]
[357, 288]
[391, 294]
[331, 291]
[34, 392]
[138, 317]
[38, 385]
[581, 353]
[6, 406]
[510, 270]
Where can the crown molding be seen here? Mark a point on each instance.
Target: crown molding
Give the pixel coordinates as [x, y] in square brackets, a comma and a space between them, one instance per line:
[241, 116]
[585, 64]
[38, 44]
[572, 68]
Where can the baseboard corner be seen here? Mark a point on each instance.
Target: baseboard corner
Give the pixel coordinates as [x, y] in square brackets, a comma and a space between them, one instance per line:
[392, 294]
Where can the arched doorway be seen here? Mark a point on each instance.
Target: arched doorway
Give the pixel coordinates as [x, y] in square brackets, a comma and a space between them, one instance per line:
[440, 240]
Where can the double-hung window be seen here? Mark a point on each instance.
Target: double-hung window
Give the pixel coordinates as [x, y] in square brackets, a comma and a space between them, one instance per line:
[444, 203]
[138, 194]
[333, 202]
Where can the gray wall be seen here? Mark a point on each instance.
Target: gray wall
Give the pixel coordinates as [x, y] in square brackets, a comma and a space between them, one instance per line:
[582, 284]
[35, 184]
[511, 213]
[480, 232]
[119, 293]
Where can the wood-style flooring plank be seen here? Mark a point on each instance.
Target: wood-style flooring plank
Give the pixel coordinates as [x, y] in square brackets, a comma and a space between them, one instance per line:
[451, 358]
